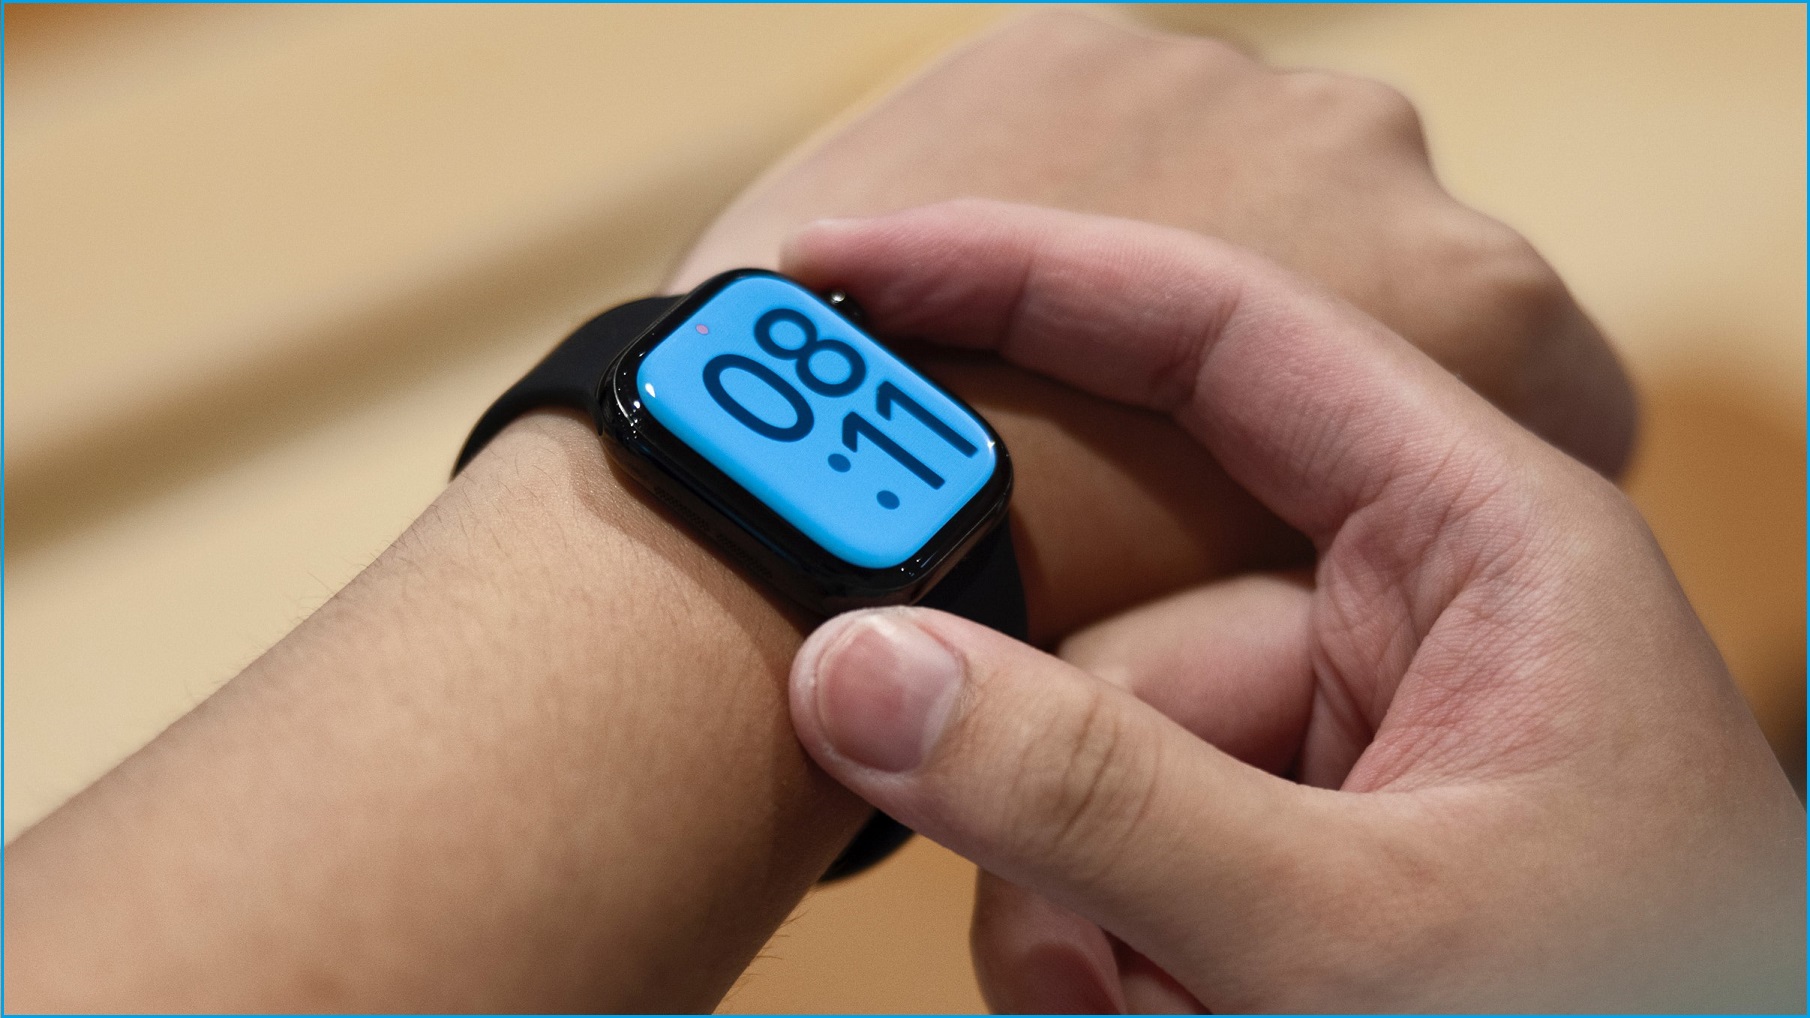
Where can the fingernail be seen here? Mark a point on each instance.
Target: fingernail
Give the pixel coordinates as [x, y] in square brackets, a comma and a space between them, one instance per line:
[884, 691]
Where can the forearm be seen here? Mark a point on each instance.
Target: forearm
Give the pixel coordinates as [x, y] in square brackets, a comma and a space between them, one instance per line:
[535, 757]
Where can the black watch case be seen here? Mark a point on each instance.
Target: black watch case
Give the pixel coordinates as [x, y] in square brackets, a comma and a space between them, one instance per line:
[755, 536]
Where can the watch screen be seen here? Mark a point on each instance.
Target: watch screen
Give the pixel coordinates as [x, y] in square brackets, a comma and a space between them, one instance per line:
[823, 424]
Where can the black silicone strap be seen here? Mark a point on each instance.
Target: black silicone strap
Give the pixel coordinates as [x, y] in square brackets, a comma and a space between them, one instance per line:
[985, 586]
[570, 375]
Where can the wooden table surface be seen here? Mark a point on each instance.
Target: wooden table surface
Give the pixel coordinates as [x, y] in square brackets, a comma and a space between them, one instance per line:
[265, 264]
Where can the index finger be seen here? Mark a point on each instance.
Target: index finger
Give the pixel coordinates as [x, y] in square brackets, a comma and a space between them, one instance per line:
[1319, 410]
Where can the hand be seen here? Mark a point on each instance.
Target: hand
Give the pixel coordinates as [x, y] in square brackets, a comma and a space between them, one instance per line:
[1523, 778]
[1325, 173]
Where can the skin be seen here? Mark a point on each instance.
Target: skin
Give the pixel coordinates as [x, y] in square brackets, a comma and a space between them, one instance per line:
[1486, 758]
[1326, 174]
[537, 756]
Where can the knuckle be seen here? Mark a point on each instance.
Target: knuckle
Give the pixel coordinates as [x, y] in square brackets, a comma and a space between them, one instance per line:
[1528, 289]
[1197, 65]
[1357, 103]
[1389, 105]
[1503, 319]
[1206, 51]
[1498, 256]
[1494, 275]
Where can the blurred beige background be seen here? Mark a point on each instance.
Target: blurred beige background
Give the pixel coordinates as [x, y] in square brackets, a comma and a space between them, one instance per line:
[265, 265]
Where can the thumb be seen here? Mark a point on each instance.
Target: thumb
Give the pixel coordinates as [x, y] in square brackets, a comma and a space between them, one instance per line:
[1051, 778]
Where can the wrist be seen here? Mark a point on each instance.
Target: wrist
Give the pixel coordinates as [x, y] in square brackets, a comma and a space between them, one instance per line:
[543, 507]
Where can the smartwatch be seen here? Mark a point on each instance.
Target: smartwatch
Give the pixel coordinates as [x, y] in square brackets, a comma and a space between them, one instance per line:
[768, 420]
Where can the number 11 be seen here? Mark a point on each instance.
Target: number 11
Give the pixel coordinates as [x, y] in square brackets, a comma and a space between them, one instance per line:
[888, 394]
[855, 425]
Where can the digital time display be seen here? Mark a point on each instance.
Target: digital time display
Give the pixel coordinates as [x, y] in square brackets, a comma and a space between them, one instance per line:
[831, 430]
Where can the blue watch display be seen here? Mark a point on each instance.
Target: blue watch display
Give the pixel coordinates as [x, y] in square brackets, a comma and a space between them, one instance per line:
[831, 430]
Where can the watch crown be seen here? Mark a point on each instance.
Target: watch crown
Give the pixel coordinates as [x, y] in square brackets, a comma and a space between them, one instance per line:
[850, 309]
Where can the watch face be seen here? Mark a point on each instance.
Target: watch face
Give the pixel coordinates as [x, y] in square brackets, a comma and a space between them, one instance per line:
[829, 429]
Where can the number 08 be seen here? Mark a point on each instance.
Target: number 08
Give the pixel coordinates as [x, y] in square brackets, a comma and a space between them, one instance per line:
[886, 396]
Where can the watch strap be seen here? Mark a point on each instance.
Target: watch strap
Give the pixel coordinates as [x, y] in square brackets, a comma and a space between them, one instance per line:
[570, 375]
[985, 586]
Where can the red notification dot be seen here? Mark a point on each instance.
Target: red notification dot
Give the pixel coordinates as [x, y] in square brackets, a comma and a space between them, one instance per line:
[703, 330]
